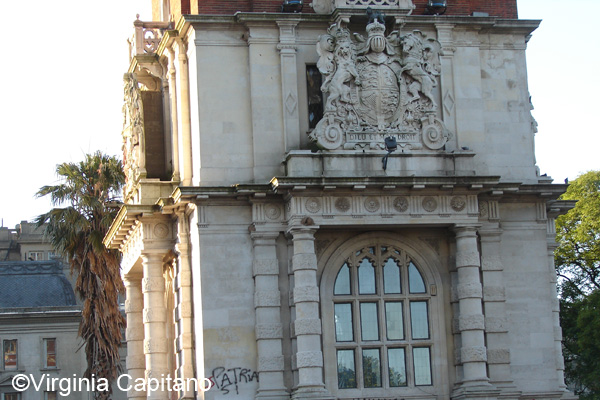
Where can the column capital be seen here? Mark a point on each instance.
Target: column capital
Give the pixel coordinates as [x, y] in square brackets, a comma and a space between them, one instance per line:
[264, 238]
[461, 230]
[490, 235]
[302, 232]
[132, 278]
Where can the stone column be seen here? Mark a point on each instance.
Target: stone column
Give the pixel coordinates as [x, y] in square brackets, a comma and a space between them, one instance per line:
[134, 334]
[494, 302]
[155, 317]
[267, 305]
[470, 321]
[307, 325]
[184, 334]
[186, 127]
[551, 246]
[172, 73]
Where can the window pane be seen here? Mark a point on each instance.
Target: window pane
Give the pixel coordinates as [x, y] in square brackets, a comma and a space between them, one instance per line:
[346, 369]
[369, 323]
[415, 280]
[366, 277]
[50, 395]
[11, 396]
[50, 352]
[343, 323]
[10, 354]
[342, 282]
[418, 320]
[371, 368]
[422, 366]
[397, 366]
[391, 277]
[394, 320]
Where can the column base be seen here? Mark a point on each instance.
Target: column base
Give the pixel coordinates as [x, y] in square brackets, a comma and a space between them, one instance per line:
[272, 394]
[568, 395]
[315, 393]
[475, 391]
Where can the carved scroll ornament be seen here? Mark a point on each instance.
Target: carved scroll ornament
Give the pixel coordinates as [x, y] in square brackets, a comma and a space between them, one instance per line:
[379, 87]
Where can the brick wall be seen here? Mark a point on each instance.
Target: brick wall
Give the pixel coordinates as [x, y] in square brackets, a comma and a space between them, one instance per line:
[496, 8]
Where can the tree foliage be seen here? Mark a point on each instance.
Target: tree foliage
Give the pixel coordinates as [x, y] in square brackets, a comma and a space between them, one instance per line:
[577, 261]
[84, 210]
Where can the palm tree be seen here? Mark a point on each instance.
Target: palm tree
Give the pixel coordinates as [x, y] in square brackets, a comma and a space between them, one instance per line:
[84, 201]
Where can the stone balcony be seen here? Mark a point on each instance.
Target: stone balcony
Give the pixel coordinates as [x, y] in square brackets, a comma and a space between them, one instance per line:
[146, 37]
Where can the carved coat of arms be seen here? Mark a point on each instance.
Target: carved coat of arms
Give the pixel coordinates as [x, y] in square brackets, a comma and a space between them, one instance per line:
[377, 87]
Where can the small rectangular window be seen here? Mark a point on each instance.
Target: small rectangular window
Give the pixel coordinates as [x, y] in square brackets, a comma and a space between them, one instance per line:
[346, 369]
[35, 256]
[10, 354]
[50, 396]
[12, 396]
[315, 95]
[50, 353]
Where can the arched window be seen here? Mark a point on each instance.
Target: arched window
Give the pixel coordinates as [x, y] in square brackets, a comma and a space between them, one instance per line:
[382, 327]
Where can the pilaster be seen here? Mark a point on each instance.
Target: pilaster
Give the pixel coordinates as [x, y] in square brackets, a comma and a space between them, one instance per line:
[494, 303]
[184, 332]
[471, 325]
[551, 246]
[172, 75]
[134, 305]
[289, 83]
[267, 305]
[154, 319]
[186, 127]
[307, 325]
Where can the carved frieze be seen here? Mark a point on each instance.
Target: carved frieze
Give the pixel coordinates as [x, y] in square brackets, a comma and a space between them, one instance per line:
[377, 87]
[367, 206]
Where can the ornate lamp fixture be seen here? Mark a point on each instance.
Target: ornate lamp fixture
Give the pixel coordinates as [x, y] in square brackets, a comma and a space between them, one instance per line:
[291, 6]
[436, 7]
[390, 146]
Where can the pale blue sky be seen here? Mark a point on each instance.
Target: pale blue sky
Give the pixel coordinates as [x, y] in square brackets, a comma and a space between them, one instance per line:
[63, 63]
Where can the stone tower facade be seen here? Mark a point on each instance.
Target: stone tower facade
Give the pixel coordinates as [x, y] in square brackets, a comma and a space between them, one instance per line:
[337, 200]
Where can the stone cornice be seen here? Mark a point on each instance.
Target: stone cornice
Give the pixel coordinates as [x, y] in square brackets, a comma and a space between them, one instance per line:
[126, 218]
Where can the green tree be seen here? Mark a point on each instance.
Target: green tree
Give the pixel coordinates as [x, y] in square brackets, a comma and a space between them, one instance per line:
[84, 210]
[578, 266]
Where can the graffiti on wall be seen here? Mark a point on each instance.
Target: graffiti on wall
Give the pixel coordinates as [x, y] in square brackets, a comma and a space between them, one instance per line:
[228, 380]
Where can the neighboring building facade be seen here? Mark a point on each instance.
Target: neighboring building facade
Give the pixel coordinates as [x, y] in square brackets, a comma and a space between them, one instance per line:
[337, 203]
[39, 322]
[25, 243]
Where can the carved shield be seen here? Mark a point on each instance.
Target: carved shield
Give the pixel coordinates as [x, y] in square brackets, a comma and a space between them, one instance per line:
[377, 98]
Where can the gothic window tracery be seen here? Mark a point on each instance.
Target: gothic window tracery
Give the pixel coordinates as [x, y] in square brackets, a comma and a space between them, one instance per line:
[381, 319]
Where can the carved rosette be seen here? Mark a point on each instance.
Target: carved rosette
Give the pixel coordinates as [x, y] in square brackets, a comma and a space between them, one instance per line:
[377, 87]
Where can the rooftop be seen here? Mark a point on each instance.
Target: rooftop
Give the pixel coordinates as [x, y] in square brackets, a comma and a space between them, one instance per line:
[28, 284]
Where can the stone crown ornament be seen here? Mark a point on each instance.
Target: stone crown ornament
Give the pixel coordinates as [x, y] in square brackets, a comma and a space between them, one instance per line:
[379, 87]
